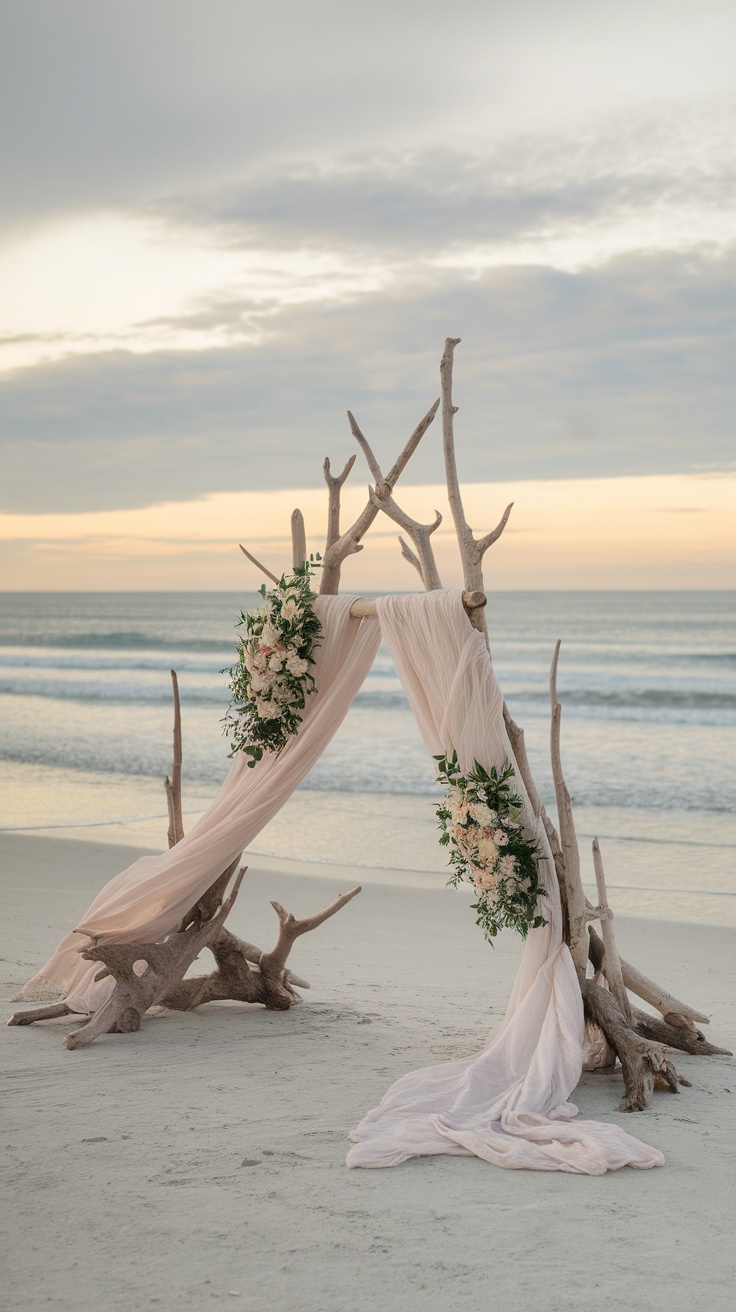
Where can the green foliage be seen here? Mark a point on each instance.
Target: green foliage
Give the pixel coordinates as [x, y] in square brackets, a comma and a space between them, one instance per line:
[271, 680]
[479, 820]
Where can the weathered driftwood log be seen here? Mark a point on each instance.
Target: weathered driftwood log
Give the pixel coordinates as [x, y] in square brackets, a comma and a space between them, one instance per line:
[673, 1028]
[365, 607]
[152, 974]
[644, 1062]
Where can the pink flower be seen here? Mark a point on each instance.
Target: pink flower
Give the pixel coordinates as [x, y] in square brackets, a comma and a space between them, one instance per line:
[507, 866]
[485, 881]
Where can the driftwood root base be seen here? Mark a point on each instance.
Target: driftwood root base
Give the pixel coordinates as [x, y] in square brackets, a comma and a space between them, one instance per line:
[152, 974]
[645, 1064]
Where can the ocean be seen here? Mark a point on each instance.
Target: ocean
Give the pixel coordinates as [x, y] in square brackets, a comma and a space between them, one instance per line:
[647, 682]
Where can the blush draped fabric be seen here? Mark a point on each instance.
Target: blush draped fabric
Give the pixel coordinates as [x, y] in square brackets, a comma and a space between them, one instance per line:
[147, 900]
[508, 1104]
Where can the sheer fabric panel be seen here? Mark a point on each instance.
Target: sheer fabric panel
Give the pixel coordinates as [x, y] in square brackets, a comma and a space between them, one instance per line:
[509, 1103]
[149, 898]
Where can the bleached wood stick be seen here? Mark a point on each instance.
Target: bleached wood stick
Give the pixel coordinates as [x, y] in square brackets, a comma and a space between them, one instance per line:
[518, 746]
[272, 963]
[408, 554]
[364, 608]
[472, 550]
[573, 887]
[257, 563]
[173, 785]
[298, 540]
[334, 487]
[612, 963]
[646, 989]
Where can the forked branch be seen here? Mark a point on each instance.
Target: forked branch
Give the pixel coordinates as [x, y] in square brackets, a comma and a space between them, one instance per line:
[244, 973]
[334, 488]
[472, 550]
[290, 929]
[424, 560]
[350, 540]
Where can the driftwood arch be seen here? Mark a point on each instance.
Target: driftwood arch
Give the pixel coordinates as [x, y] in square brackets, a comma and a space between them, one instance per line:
[640, 1040]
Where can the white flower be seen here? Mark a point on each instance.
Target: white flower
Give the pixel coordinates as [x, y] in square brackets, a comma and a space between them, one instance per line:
[507, 866]
[487, 849]
[259, 683]
[481, 813]
[296, 666]
[275, 662]
[269, 636]
[499, 838]
[290, 610]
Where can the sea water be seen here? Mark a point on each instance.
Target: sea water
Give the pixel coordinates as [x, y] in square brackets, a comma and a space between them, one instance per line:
[647, 682]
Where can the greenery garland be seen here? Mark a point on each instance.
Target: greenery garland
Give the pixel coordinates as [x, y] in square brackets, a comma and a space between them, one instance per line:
[479, 821]
[271, 680]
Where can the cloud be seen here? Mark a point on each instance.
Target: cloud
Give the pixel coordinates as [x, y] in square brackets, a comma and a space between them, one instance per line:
[274, 214]
[105, 104]
[528, 189]
[622, 369]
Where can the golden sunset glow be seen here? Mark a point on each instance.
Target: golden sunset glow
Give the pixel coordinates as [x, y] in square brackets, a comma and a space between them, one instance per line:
[674, 531]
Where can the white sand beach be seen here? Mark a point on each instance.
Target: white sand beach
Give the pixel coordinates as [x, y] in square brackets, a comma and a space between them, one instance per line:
[201, 1161]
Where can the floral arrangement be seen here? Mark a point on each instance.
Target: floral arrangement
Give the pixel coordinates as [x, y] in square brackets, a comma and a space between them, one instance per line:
[479, 821]
[271, 679]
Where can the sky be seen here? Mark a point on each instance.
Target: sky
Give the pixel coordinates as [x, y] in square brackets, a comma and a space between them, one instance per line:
[222, 225]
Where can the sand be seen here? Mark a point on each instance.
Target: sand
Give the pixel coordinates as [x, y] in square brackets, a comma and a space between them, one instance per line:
[201, 1161]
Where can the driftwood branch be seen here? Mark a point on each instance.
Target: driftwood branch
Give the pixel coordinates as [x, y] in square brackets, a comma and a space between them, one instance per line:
[571, 884]
[365, 607]
[298, 540]
[381, 498]
[290, 929]
[255, 561]
[644, 1062]
[673, 1028]
[152, 974]
[419, 533]
[172, 785]
[350, 541]
[612, 960]
[680, 1014]
[472, 549]
[518, 747]
[334, 488]
[409, 555]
